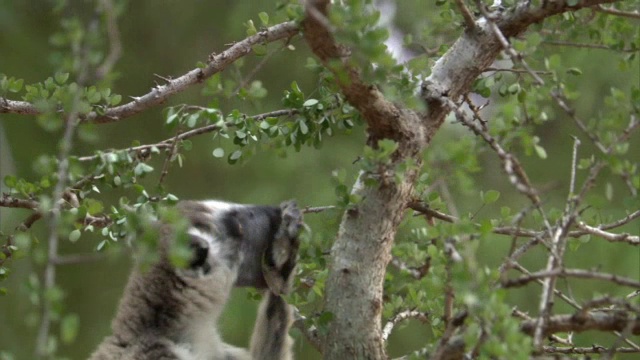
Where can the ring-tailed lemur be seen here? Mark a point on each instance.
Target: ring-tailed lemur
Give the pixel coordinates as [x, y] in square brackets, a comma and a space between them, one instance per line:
[168, 313]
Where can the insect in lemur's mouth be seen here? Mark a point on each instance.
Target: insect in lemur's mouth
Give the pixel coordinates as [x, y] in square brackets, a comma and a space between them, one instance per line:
[169, 313]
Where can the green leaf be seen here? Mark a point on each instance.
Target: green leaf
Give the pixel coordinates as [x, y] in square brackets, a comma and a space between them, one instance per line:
[540, 151]
[69, 328]
[15, 85]
[233, 158]
[259, 49]
[218, 153]
[142, 168]
[251, 29]
[310, 102]
[304, 129]
[490, 196]
[74, 235]
[264, 18]
[61, 77]
[192, 120]
[574, 71]
[10, 181]
[101, 245]
[115, 100]
[93, 96]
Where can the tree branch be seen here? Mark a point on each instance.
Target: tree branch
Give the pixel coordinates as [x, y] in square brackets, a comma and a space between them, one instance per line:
[310, 333]
[160, 93]
[595, 349]
[616, 12]
[399, 317]
[115, 45]
[469, 21]
[577, 273]
[609, 321]
[380, 114]
[168, 143]
[12, 202]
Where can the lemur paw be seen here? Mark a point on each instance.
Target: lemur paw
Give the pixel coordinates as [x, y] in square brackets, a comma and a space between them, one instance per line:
[280, 258]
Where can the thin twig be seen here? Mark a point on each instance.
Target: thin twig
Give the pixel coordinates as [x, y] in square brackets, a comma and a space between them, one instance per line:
[113, 33]
[595, 349]
[624, 237]
[167, 143]
[423, 208]
[585, 46]
[54, 222]
[310, 333]
[401, 316]
[574, 165]
[466, 14]
[169, 158]
[415, 272]
[577, 273]
[616, 12]
[517, 71]
[609, 321]
[317, 209]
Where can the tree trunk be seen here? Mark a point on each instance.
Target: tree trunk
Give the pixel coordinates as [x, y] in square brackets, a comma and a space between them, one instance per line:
[360, 256]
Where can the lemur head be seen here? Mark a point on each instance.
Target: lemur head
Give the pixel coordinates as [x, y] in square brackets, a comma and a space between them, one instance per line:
[258, 243]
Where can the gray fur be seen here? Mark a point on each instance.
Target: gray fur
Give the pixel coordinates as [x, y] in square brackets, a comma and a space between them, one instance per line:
[171, 314]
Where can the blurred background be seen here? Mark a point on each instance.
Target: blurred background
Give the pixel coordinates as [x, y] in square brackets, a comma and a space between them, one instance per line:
[168, 38]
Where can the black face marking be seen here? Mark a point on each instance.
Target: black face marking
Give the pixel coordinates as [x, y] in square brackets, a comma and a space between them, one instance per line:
[231, 221]
[199, 260]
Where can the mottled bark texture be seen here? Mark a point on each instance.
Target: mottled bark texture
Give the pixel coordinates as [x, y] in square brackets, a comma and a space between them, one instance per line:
[362, 249]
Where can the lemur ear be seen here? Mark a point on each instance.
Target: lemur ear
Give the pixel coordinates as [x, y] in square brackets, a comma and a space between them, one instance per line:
[279, 259]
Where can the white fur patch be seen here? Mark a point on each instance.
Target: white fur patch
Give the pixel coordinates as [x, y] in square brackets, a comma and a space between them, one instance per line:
[215, 205]
[201, 341]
